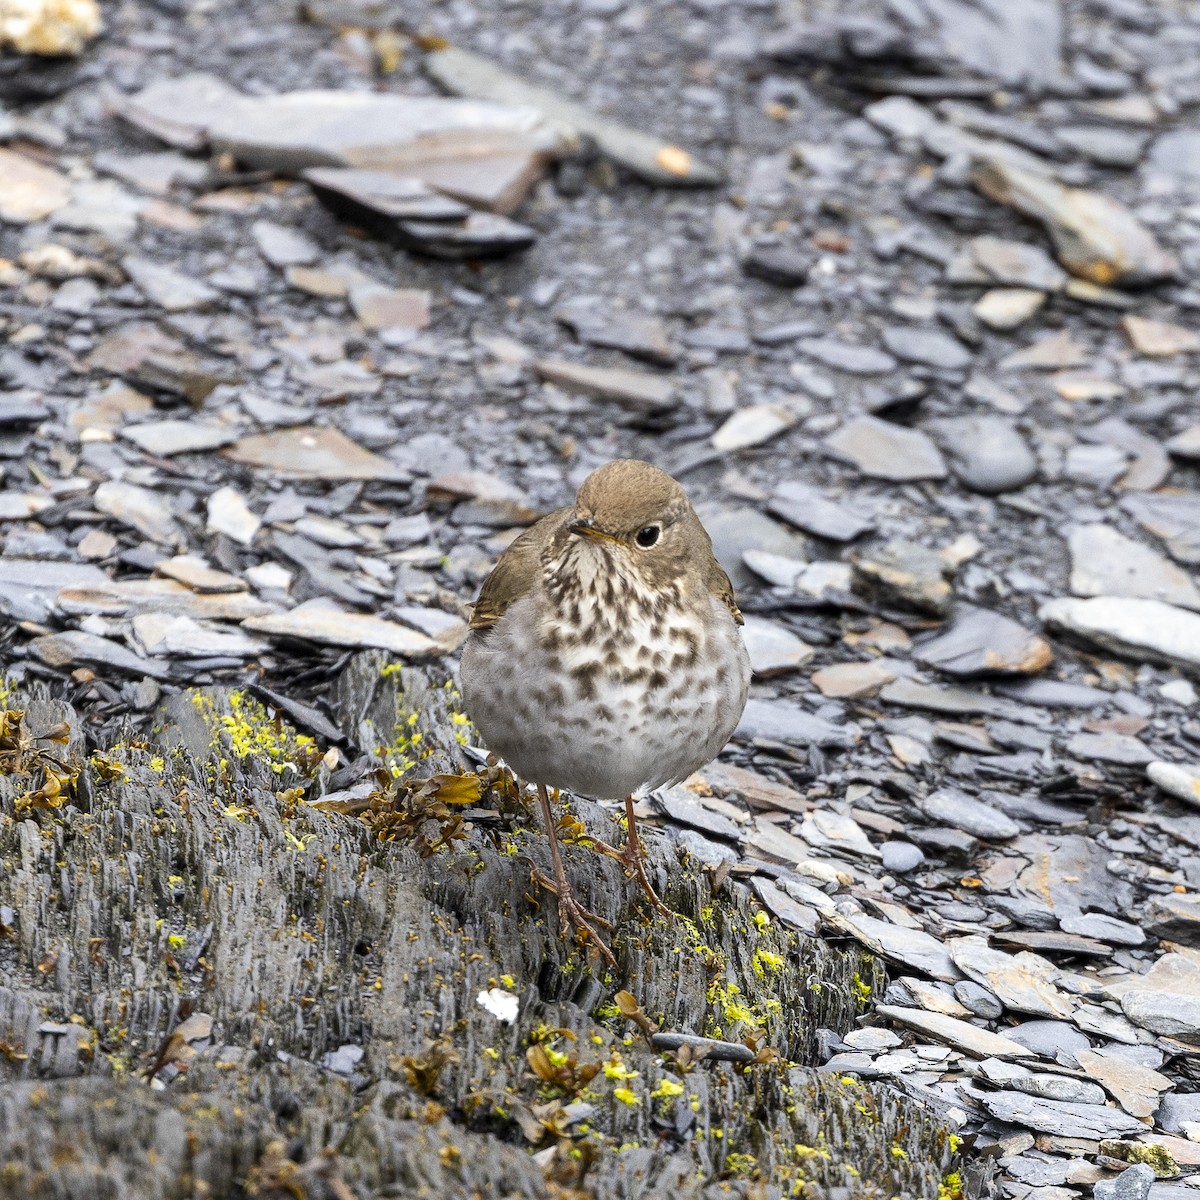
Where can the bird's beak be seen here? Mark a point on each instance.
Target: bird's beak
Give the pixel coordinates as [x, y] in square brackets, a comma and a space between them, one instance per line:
[588, 528]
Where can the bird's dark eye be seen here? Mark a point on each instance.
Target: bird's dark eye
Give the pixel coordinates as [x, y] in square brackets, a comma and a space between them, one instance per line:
[647, 536]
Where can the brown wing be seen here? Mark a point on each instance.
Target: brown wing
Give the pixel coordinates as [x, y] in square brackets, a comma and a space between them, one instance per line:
[515, 573]
[720, 586]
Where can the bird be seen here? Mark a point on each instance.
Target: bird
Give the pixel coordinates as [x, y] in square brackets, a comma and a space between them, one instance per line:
[605, 656]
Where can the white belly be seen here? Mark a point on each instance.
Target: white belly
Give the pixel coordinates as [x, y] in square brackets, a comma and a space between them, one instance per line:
[594, 732]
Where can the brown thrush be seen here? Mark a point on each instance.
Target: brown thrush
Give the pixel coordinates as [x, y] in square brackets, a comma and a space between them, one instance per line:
[605, 655]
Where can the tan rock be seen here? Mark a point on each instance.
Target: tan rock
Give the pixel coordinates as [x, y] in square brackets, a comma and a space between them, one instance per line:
[852, 680]
[28, 191]
[1159, 339]
[51, 27]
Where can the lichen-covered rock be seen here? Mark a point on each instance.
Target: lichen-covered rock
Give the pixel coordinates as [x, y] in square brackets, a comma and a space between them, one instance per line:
[305, 993]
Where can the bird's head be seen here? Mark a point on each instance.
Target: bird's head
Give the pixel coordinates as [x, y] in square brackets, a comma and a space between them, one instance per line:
[637, 519]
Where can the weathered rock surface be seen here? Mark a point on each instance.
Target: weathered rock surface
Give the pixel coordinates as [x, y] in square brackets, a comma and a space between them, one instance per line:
[274, 922]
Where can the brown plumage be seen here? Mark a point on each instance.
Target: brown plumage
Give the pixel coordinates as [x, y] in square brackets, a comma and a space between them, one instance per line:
[605, 654]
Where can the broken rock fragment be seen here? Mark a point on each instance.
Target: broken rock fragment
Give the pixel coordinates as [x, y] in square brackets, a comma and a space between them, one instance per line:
[370, 196]
[905, 574]
[317, 128]
[313, 451]
[140, 509]
[50, 27]
[318, 622]
[981, 642]
[1147, 630]
[656, 161]
[639, 391]
[29, 191]
[887, 451]
[1104, 562]
[1094, 236]
[1159, 339]
[598, 324]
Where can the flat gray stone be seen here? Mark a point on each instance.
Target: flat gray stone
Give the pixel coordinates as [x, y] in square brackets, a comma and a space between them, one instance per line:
[752, 426]
[979, 642]
[1172, 516]
[140, 509]
[333, 627]
[1148, 630]
[1021, 982]
[170, 289]
[1091, 1121]
[168, 636]
[847, 356]
[1110, 747]
[1133, 1183]
[950, 1031]
[710, 1048]
[1007, 308]
[1107, 929]
[649, 157]
[901, 857]
[165, 439]
[882, 450]
[958, 810]
[77, 648]
[779, 904]
[685, 808]
[773, 649]
[29, 587]
[328, 128]
[1178, 1108]
[737, 529]
[1175, 917]
[283, 246]
[639, 391]
[929, 347]
[912, 948]
[981, 1001]
[986, 453]
[598, 323]
[805, 507]
[1047, 1039]
[1181, 780]
[1095, 237]
[1017, 264]
[1045, 1086]
[781, 721]
[1104, 562]
[906, 574]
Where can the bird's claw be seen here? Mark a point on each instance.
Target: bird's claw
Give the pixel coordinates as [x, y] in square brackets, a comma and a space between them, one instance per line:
[630, 858]
[573, 917]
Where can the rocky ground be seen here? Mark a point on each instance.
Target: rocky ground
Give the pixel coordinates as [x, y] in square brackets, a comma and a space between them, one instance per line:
[904, 297]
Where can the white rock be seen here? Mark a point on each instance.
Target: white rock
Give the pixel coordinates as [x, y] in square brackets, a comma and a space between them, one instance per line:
[269, 577]
[333, 627]
[229, 514]
[752, 426]
[1179, 691]
[1180, 780]
[183, 637]
[504, 1006]
[1105, 562]
[139, 508]
[774, 649]
[1147, 630]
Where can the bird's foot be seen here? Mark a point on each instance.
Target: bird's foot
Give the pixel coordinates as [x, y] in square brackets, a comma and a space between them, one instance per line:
[573, 917]
[630, 857]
